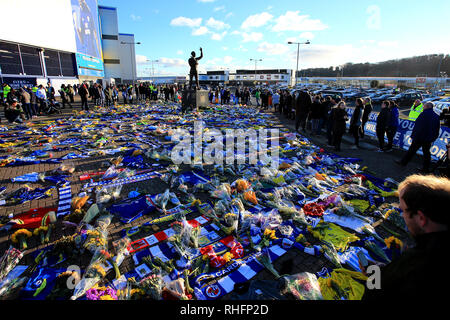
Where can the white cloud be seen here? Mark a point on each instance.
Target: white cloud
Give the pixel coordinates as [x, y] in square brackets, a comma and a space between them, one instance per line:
[292, 21]
[169, 62]
[251, 37]
[200, 31]
[225, 48]
[216, 24]
[221, 8]
[205, 1]
[135, 18]
[180, 52]
[388, 44]
[229, 15]
[186, 22]
[257, 20]
[302, 37]
[273, 48]
[307, 35]
[218, 36]
[141, 59]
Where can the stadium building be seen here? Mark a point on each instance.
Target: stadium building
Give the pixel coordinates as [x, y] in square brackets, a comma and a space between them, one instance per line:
[61, 42]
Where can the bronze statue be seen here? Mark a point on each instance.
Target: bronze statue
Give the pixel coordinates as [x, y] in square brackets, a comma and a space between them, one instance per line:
[193, 63]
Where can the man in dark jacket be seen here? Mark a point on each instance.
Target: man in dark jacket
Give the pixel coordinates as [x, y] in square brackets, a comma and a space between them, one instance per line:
[425, 132]
[84, 93]
[302, 110]
[418, 272]
[382, 123]
[316, 115]
[366, 114]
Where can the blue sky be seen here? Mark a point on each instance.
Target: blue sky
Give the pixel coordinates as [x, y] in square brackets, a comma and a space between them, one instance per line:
[232, 32]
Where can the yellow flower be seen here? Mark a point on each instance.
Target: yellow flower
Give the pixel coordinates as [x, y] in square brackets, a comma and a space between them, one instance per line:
[270, 234]
[230, 216]
[228, 256]
[106, 297]
[195, 203]
[20, 232]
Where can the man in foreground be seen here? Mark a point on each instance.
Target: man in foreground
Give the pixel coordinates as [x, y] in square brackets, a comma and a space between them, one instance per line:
[420, 271]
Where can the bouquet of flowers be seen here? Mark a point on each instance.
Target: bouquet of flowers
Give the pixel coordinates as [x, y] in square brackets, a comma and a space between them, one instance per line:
[152, 286]
[374, 248]
[395, 245]
[330, 253]
[95, 239]
[95, 272]
[303, 286]
[268, 236]
[101, 293]
[9, 260]
[231, 223]
[265, 260]
[20, 237]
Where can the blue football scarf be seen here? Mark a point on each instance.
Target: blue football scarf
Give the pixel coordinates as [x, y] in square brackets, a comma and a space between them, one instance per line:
[65, 200]
[131, 209]
[40, 284]
[123, 181]
[207, 287]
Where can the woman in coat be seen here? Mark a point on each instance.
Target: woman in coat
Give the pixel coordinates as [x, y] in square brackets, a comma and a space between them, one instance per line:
[339, 118]
[382, 123]
[356, 122]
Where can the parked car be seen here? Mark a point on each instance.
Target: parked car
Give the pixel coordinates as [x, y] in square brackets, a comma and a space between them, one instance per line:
[440, 106]
[380, 99]
[407, 99]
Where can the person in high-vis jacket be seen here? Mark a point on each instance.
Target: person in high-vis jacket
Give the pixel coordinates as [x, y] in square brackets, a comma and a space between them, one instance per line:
[416, 110]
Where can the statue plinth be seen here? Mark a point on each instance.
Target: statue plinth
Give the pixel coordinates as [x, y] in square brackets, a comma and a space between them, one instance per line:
[193, 99]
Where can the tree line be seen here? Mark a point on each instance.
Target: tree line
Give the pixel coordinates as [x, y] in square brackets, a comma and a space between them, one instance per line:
[432, 65]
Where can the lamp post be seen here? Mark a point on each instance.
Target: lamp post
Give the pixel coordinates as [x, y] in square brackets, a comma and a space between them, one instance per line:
[153, 70]
[256, 61]
[298, 54]
[131, 56]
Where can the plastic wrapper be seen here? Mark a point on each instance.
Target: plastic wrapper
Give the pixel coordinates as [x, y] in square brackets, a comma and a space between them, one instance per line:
[303, 286]
[111, 173]
[222, 192]
[95, 272]
[92, 212]
[107, 194]
[9, 260]
[221, 208]
[272, 220]
[162, 199]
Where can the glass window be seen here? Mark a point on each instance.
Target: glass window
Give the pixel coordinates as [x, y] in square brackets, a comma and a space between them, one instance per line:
[68, 64]
[52, 63]
[31, 61]
[10, 58]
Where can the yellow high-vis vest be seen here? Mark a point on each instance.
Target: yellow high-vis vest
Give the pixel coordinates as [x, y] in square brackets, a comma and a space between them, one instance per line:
[415, 112]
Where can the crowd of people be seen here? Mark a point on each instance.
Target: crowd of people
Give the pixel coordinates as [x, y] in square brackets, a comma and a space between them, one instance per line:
[29, 102]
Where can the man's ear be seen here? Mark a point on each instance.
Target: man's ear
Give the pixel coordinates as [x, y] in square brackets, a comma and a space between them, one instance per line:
[422, 219]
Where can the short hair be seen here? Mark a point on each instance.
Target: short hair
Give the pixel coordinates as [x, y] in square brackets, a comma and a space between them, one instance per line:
[429, 104]
[429, 194]
[387, 103]
[359, 101]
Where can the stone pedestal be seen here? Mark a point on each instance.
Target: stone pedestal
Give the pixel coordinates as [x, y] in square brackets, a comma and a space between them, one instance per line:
[193, 99]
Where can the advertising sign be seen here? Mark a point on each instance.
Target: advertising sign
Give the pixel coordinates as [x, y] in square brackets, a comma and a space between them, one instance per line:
[87, 31]
[16, 82]
[89, 66]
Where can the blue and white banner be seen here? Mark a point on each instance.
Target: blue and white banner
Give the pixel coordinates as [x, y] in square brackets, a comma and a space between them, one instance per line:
[403, 139]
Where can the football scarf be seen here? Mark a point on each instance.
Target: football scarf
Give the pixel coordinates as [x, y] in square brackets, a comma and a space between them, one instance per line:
[65, 200]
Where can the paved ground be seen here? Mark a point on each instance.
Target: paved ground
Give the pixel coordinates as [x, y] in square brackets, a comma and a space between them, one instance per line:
[292, 262]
